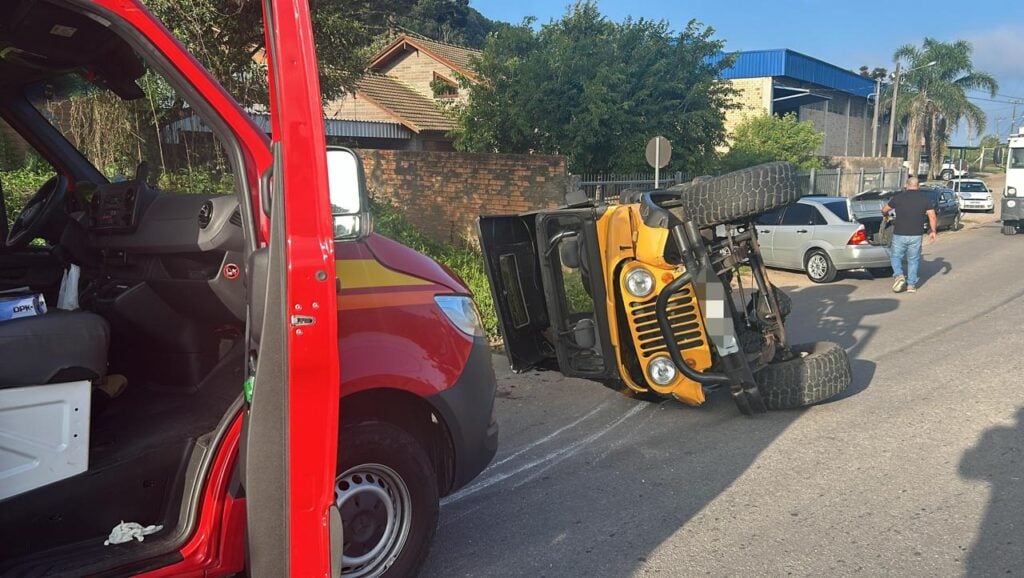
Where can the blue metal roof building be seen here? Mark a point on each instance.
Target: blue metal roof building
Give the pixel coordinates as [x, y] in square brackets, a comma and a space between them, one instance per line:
[837, 101]
[800, 67]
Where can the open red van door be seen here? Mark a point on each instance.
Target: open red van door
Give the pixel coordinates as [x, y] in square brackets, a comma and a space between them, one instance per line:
[289, 486]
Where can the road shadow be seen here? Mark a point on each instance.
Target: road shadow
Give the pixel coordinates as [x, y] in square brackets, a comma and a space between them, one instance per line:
[600, 484]
[831, 313]
[589, 482]
[932, 267]
[998, 459]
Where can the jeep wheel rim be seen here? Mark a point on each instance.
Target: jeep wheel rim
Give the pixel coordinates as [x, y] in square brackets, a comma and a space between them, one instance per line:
[376, 515]
[817, 266]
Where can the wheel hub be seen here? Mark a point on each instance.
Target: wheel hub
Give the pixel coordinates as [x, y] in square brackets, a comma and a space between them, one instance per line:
[816, 266]
[376, 514]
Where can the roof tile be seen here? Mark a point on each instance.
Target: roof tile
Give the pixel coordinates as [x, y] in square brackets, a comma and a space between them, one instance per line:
[415, 110]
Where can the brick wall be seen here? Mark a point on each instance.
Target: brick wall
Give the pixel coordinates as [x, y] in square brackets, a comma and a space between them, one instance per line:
[843, 135]
[754, 97]
[443, 193]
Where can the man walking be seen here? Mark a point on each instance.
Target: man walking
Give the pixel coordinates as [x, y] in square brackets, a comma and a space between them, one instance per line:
[913, 210]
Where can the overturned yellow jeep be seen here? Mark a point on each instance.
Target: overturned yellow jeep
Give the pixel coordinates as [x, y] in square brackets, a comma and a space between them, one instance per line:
[648, 294]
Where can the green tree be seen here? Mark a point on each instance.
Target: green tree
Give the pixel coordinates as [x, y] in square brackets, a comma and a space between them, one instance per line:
[990, 141]
[452, 21]
[227, 37]
[933, 97]
[596, 91]
[767, 138]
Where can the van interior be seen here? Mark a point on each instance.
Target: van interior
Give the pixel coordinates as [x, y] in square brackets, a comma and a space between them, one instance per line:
[157, 340]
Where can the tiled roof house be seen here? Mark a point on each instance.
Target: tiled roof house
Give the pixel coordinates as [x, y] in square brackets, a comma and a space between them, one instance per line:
[408, 83]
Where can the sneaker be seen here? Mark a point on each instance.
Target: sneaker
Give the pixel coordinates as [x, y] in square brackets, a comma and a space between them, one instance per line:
[899, 284]
[911, 289]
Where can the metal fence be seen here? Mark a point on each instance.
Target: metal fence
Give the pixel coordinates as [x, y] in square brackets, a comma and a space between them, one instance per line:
[839, 183]
[604, 187]
[830, 182]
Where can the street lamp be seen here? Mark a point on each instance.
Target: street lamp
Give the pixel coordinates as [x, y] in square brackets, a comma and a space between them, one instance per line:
[895, 94]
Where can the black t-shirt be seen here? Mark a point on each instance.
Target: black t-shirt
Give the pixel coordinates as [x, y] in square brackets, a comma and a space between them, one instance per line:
[911, 212]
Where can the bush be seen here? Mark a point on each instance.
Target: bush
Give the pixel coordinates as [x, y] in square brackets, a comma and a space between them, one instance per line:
[768, 138]
[20, 184]
[466, 262]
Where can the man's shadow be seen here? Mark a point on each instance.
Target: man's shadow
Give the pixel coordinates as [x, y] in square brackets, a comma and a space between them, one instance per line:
[932, 267]
[999, 460]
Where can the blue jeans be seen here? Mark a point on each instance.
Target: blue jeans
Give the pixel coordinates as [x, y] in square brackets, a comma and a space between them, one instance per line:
[909, 246]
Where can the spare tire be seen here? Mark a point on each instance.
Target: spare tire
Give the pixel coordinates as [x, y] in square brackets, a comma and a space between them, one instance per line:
[819, 371]
[738, 195]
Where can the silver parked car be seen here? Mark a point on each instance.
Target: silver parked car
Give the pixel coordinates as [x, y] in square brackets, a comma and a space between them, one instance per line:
[817, 235]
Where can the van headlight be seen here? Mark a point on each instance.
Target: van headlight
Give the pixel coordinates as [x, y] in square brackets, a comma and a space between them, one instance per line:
[461, 311]
[661, 371]
[640, 282]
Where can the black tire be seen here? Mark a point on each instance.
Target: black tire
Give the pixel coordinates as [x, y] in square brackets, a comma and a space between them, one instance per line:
[817, 270]
[956, 225]
[738, 195]
[880, 272]
[784, 301]
[820, 371]
[374, 455]
[1009, 227]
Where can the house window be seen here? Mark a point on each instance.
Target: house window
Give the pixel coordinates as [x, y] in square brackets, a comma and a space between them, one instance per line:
[444, 88]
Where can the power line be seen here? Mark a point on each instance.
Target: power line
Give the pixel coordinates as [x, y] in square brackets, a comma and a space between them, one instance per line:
[1002, 95]
[994, 100]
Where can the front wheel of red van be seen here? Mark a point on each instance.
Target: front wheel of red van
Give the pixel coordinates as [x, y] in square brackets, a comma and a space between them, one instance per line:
[387, 494]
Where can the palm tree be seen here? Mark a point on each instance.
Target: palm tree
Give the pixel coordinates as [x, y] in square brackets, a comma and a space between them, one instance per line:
[933, 97]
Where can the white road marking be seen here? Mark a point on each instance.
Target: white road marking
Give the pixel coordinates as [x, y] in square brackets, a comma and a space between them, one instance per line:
[567, 451]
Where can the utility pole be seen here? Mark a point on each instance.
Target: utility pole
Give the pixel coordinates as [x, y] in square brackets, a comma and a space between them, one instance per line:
[874, 122]
[1013, 119]
[892, 114]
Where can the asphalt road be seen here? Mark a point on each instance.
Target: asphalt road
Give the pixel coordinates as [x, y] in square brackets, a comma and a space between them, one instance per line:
[916, 470]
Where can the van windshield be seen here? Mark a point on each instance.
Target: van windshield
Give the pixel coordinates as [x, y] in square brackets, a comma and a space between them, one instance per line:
[116, 134]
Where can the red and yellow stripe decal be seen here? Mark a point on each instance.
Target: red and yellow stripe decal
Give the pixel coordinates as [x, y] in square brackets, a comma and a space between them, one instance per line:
[366, 284]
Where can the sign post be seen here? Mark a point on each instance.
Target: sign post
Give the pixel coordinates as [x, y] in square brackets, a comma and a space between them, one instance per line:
[658, 154]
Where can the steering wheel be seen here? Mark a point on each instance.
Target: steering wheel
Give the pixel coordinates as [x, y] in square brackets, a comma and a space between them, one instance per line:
[37, 212]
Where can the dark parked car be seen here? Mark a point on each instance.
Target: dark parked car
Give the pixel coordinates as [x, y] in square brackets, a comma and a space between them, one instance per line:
[867, 208]
[947, 210]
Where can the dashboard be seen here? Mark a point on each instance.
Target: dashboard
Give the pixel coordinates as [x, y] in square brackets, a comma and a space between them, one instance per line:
[187, 248]
[114, 208]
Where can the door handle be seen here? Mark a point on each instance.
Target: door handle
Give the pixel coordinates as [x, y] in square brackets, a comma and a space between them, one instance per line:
[764, 231]
[801, 230]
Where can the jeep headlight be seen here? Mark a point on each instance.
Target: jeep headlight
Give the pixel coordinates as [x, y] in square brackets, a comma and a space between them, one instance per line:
[661, 371]
[1011, 204]
[1011, 191]
[640, 282]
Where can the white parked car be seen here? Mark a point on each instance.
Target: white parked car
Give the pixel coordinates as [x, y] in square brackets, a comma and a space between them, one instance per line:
[972, 195]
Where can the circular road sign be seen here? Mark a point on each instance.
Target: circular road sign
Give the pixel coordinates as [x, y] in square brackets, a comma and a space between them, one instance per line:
[658, 152]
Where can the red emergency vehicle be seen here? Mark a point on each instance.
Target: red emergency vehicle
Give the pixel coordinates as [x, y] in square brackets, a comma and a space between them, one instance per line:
[197, 385]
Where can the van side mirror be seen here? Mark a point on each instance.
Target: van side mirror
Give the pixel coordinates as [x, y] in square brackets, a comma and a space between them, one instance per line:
[350, 206]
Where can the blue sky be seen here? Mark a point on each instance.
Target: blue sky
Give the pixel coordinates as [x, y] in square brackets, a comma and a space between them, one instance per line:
[850, 34]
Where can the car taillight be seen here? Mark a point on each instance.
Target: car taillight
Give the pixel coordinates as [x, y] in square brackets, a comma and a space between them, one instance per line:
[859, 238]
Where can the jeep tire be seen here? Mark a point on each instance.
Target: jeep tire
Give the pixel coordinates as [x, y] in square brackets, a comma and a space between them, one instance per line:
[738, 195]
[1009, 227]
[819, 371]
